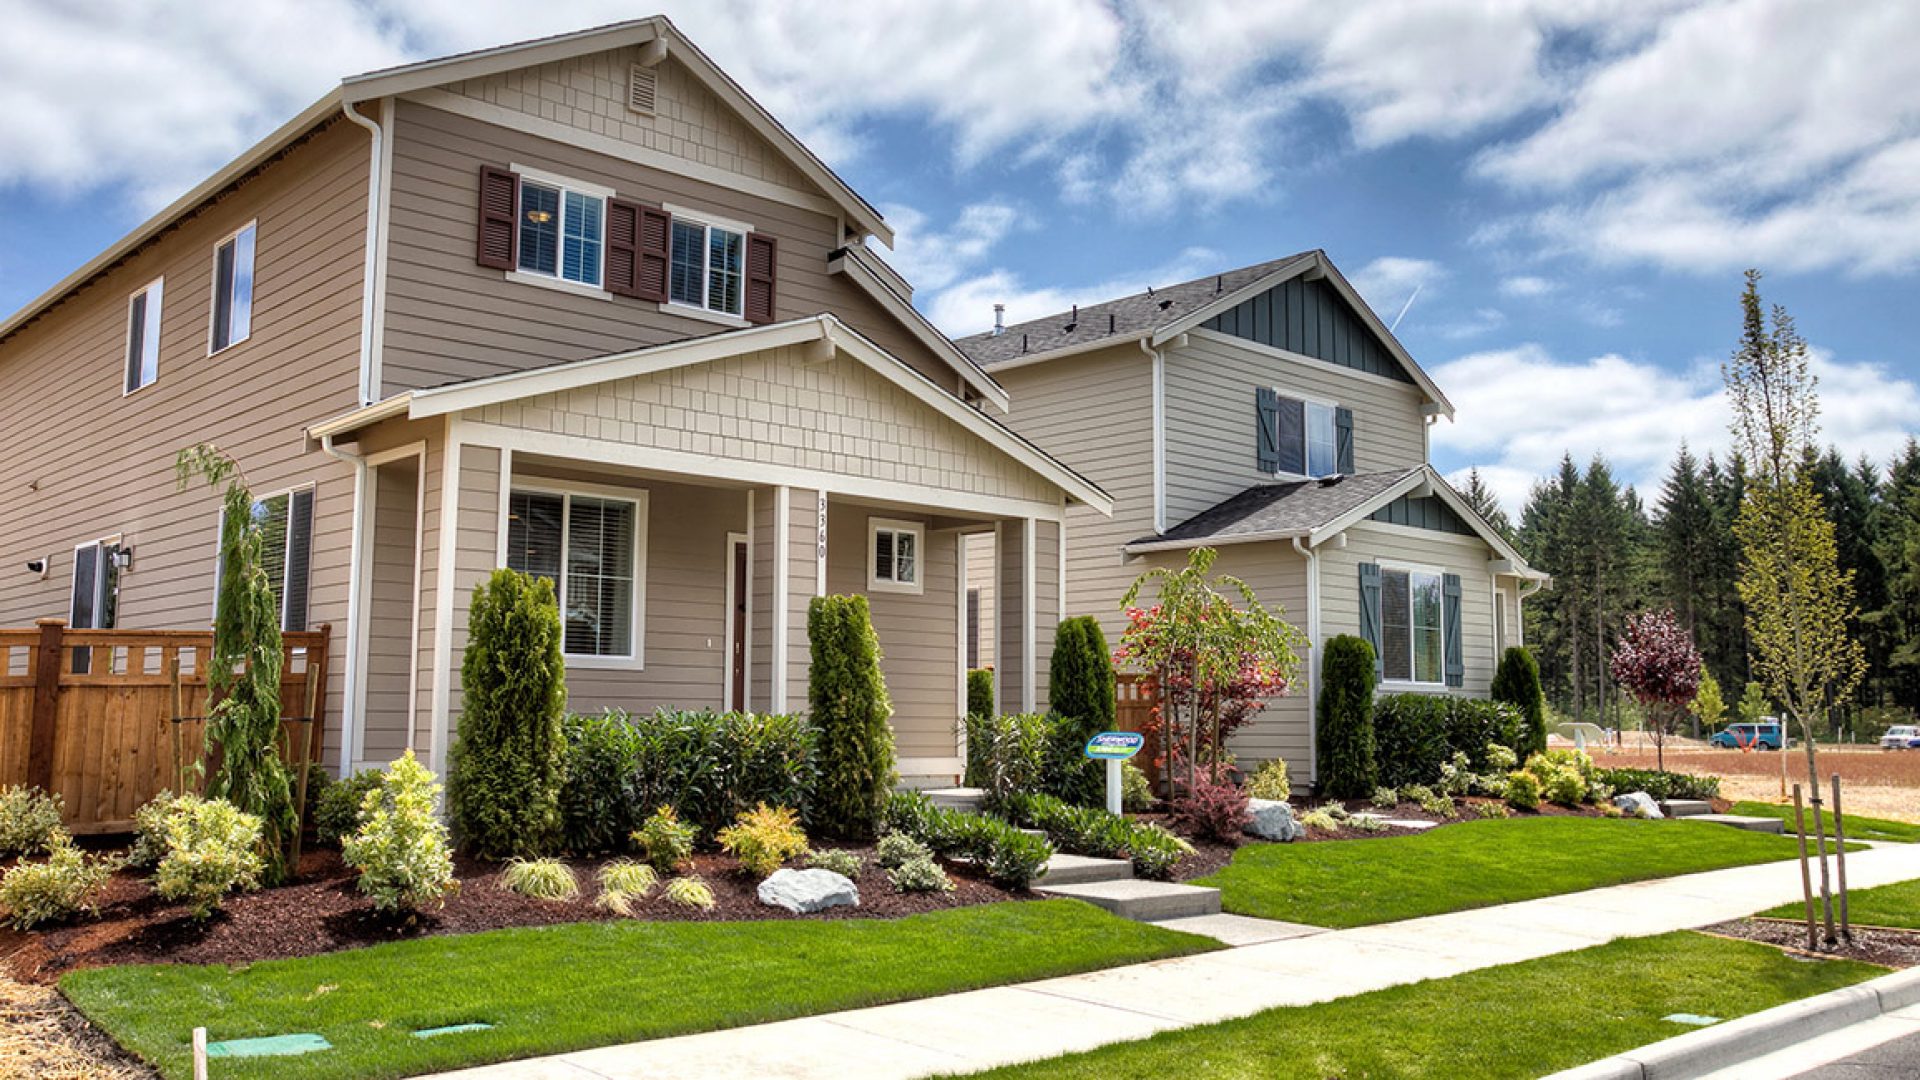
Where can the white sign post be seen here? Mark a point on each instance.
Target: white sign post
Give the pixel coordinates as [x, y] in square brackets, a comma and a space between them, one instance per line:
[1114, 747]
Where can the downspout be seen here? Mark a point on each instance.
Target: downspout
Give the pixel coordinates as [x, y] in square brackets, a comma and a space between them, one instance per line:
[366, 392]
[371, 269]
[1159, 434]
[350, 679]
[1313, 657]
[1520, 603]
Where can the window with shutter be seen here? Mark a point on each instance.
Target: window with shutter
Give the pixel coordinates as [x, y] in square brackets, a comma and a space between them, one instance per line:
[1309, 438]
[1455, 656]
[762, 255]
[623, 247]
[1266, 406]
[653, 254]
[707, 266]
[499, 212]
[1412, 626]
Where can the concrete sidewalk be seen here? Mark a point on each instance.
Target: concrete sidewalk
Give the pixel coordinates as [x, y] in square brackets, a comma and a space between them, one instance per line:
[984, 1028]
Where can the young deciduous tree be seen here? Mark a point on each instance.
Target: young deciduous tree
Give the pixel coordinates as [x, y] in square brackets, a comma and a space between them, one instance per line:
[1708, 707]
[1656, 662]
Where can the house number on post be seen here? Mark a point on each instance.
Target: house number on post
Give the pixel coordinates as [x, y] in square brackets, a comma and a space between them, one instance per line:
[1114, 747]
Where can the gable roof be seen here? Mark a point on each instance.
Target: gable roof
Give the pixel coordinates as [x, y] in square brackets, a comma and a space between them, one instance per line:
[386, 82]
[879, 281]
[823, 328]
[1158, 316]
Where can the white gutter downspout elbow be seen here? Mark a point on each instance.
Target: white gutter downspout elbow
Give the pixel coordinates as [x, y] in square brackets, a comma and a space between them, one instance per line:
[1313, 656]
[371, 269]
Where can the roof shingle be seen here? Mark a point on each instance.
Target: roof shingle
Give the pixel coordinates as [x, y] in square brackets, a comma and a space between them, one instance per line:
[1289, 509]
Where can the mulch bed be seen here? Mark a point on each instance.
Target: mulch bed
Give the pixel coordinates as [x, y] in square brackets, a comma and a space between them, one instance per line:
[1874, 945]
[322, 911]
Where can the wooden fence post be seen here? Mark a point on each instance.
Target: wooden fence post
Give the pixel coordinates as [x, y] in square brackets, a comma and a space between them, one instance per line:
[47, 659]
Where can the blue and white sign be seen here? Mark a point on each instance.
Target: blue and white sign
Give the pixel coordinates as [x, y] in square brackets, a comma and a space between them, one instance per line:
[1115, 745]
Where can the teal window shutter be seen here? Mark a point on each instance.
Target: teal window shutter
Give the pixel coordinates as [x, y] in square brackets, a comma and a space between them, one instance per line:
[1370, 615]
[1456, 661]
[1293, 436]
[1343, 441]
[1266, 406]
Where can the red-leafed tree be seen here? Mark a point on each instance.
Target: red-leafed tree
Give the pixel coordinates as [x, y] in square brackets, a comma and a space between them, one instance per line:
[1657, 663]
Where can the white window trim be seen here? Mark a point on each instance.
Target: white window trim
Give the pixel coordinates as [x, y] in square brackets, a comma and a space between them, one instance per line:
[1309, 399]
[701, 310]
[918, 530]
[1416, 685]
[103, 543]
[213, 288]
[126, 358]
[635, 660]
[556, 280]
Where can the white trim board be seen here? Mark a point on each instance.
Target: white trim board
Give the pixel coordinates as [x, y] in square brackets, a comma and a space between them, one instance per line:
[852, 262]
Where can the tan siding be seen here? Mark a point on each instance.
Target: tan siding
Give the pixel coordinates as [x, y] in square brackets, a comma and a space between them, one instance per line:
[1463, 555]
[449, 319]
[87, 462]
[979, 547]
[394, 534]
[1210, 418]
[917, 634]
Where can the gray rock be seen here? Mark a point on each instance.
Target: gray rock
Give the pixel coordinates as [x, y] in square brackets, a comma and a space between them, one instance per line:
[804, 892]
[1638, 804]
[1272, 820]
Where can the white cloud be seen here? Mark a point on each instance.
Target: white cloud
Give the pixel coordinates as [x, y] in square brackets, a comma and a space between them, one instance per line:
[967, 307]
[932, 259]
[1481, 322]
[1387, 283]
[1519, 410]
[1527, 286]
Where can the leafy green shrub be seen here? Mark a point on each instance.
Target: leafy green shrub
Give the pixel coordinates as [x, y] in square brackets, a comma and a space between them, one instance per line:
[540, 879]
[845, 863]
[1661, 785]
[212, 849]
[763, 838]
[689, 892]
[1489, 809]
[1154, 851]
[1336, 811]
[1216, 811]
[504, 786]
[1419, 734]
[919, 875]
[336, 812]
[1348, 732]
[623, 881]
[1567, 777]
[980, 691]
[150, 831]
[1367, 823]
[1517, 683]
[67, 883]
[898, 847]
[1320, 819]
[1438, 803]
[665, 841]
[1270, 782]
[1523, 791]
[1010, 857]
[1012, 753]
[400, 847]
[600, 799]
[1501, 758]
[1091, 831]
[709, 766]
[1080, 690]
[30, 820]
[1384, 798]
[850, 708]
[1136, 791]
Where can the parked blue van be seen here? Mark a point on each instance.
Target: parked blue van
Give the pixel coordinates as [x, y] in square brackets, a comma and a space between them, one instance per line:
[1762, 736]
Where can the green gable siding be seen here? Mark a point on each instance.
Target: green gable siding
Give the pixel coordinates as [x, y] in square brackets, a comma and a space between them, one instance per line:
[1428, 513]
[1310, 318]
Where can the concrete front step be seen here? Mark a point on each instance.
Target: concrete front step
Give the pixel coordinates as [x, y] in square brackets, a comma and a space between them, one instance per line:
[1686, 807]
[1750, 824]
[1081, 869]
[1141, 901]
[957, 798]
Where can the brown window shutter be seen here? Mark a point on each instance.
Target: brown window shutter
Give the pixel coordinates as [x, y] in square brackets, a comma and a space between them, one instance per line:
[760, 262]
[499, 209]
[623, 247]
[652, 253]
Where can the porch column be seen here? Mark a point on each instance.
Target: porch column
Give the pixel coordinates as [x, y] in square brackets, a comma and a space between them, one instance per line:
[463, 534]
[786, 575]
[1027, 598]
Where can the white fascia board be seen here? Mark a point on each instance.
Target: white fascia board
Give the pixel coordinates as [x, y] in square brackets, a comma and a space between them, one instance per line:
[361, 417]
[852, 262]
[1069, 350]
[1145, 546]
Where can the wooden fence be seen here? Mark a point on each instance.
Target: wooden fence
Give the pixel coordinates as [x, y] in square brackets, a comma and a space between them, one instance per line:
[91, 715]
[1135, 698]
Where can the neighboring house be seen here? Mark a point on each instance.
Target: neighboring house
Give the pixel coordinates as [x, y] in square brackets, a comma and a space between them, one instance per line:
[577, 306]
[1267, 413]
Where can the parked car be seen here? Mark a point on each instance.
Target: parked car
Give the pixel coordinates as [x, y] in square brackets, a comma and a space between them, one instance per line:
[1901, 737]
[1765, 735]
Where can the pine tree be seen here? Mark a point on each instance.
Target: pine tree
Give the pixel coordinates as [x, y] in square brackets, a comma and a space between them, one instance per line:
[1487, 505]
[1685, 539]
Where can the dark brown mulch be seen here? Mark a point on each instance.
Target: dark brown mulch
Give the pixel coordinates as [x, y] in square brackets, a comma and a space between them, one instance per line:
[322, 911]
[1886, 947]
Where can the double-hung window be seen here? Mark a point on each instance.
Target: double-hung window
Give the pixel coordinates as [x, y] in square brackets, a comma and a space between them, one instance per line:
[1300, 437]
[1412, 637]
[896, 552]
[562, 231]
[143, 336]
[589, 546]
[95, 600]
[285, 522]
[708, 265]
[232, 290]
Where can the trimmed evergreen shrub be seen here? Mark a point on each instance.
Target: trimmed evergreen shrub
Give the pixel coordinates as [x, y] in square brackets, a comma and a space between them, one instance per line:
[503, 788]
[1410, 732]
[600, 803]
[400, 845]
[1080, 691]
[1661, 785]
[1346, 716]
[980, 691]
[848, 698]
[336, 813]
[1012, 753]
[1517, 682]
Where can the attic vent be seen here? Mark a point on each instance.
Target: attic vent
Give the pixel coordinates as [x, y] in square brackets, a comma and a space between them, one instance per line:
[641, 81]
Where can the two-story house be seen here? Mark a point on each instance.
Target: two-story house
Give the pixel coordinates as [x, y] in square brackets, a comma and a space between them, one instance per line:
[577, 306]
[1265, 412]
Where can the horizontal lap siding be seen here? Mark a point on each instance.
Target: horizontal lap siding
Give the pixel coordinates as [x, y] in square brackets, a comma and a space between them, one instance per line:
[449, 319]
[88, 462]
[918, 636]
[979, 549]
[394, 534]
[1462, 555]
[1211, 426]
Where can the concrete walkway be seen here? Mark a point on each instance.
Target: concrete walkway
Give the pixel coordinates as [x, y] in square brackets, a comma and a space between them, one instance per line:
[984, 1028]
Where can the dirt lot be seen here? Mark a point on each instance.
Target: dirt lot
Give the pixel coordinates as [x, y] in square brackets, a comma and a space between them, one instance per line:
[1874, 783]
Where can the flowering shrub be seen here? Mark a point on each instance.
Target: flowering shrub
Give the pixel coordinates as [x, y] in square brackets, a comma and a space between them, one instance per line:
[1215, 811]
[400, 846]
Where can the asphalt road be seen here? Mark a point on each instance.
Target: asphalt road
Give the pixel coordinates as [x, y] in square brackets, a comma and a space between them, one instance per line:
[1896, 1060]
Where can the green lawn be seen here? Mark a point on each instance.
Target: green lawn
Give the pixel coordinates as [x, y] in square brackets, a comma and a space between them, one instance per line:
[1523, 1020]
[1474, 864]
[1858, 828]
[553, 989]
[1888, 905]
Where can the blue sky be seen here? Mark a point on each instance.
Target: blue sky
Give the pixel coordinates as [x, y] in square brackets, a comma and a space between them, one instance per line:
[1573, 186]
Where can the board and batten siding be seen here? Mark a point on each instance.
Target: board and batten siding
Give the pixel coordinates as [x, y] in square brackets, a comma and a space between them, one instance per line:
[88, 461]
[449, 319]
[1211, 449]
[1463, 555]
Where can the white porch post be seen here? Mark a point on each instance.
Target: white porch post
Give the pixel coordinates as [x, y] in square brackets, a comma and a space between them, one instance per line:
[1029, 644]
[782, 517]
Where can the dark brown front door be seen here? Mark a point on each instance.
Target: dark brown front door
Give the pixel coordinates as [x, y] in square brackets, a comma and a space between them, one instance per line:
[737, 674]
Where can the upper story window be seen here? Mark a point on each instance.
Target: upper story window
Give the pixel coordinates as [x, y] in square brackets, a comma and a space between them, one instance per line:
[143, 336]
[1298, 437]
[709, 265]
[896, 548]
[285, 521]
[1412, 636]
[232, 290]
[590, 548]
[562, 231]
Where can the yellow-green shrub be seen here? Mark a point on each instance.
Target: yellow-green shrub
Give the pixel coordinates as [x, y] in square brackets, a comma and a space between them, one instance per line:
[763, 838]
[68, 882]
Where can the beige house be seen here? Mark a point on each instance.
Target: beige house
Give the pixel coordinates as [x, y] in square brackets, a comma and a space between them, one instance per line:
[1267, 413]
[579, 307]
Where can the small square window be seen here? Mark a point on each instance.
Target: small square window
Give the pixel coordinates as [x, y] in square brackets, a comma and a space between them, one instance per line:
[896, 555]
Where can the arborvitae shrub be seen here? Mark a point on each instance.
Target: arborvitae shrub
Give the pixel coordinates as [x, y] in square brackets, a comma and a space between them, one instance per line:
[980, 691]
[850, 710]
[1347, 769]
[1080, 689]
[1517, 682]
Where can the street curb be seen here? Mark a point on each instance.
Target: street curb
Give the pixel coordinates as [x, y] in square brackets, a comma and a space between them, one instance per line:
[1722, 1045]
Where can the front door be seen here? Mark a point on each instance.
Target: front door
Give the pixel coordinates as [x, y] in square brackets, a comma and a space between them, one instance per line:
[737, 623]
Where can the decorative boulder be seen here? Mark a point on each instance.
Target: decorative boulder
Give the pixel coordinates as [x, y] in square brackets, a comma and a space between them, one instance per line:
[1272, 820]
[1638, 804]
[804, 892]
